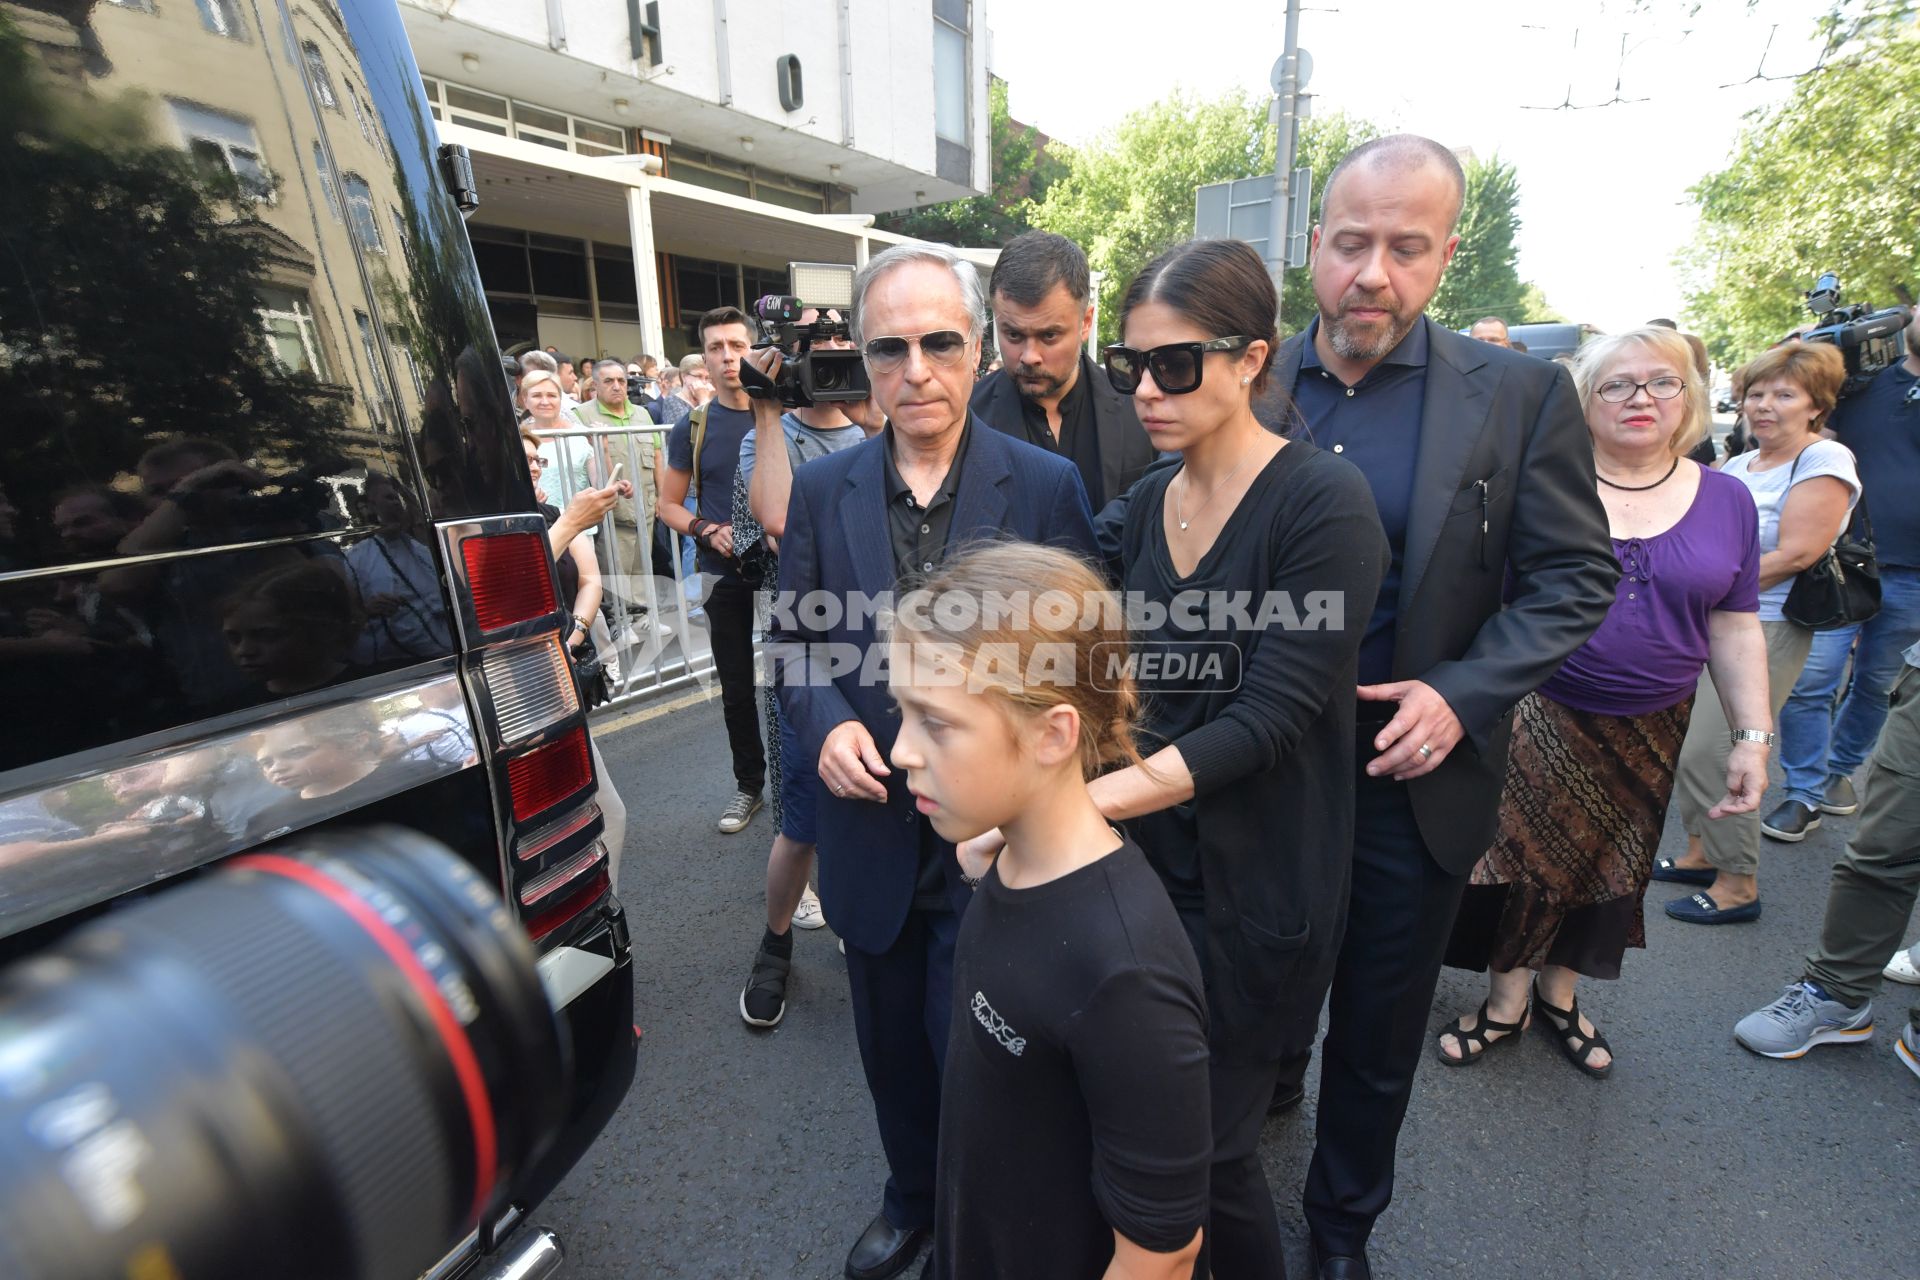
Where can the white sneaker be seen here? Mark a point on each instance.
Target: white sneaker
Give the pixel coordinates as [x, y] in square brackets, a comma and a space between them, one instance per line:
[1902, 967]
[808, 914]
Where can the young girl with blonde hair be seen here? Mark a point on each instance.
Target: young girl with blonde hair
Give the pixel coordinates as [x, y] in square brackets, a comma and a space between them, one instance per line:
[1074, 1125]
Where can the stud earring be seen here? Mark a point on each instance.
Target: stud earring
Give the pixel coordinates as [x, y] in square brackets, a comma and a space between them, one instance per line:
[1246, 382]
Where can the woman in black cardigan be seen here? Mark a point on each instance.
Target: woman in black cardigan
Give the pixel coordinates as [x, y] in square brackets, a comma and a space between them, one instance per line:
[1251, 570]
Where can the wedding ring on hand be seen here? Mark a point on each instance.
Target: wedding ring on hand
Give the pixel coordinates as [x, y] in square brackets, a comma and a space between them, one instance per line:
[1426, 752]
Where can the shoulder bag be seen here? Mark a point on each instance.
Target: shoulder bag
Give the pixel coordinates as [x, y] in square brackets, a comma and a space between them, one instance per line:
[1843, 586]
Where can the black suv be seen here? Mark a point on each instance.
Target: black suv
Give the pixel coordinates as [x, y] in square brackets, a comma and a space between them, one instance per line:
[270, 559]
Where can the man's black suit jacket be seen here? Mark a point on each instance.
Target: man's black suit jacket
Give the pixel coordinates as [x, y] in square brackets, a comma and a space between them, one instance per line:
[1494, 594]
[1125, 450]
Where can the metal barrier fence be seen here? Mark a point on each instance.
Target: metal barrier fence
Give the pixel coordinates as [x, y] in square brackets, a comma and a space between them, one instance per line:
[654, 642]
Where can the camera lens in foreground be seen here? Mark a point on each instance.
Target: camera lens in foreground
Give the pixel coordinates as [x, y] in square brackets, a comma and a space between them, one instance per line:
[323, 1062]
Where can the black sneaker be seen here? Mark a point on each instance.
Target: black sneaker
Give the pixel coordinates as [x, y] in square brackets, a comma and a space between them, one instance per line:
[1790, 822]
[763, 1001]
[1840, 798]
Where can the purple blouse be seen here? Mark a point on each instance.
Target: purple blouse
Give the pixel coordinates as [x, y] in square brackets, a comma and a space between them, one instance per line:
[1648, 653]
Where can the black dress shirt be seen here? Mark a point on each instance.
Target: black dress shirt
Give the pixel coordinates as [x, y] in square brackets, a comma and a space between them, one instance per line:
[1079, 441]
[919, 533]
[919, 537]
[1374, 424]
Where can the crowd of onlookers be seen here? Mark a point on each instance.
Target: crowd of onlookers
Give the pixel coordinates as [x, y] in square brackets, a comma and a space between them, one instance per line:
[1562, 614]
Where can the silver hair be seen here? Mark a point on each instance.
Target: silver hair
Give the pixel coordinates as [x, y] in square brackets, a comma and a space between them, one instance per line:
[695, 361]
[972, 293]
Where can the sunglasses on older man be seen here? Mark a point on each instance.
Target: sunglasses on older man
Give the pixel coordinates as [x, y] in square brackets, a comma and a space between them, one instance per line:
[1176, 367]
[942, 346]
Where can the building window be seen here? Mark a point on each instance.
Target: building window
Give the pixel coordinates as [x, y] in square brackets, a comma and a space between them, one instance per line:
[478, 111]
[222, 17]
[401, 237]
[397, 339]
[591, 139]
[507, 118]
[327, 188]
[292, 336]
[364, 116]
[226, 143]
[717, 173]
[360, 212]
[382, 407]
[950, 115]
[318, 77]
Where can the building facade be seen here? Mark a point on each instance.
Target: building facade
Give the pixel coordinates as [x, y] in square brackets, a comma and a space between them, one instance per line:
[641, 161]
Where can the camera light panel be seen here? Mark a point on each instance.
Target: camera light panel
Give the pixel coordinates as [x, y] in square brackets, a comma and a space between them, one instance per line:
[822, 284]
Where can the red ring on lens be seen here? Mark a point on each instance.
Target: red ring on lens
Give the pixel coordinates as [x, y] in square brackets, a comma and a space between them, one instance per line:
[453, 1036]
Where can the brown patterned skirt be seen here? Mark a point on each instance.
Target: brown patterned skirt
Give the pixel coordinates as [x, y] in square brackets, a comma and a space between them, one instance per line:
[1580, 820]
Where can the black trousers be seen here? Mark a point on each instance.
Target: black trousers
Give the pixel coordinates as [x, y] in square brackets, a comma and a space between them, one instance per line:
[1243, 1227]
[1398, 921]
[902, 1004]
[730, 624]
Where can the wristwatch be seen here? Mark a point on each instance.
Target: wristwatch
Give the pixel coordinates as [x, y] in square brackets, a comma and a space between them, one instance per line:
[1760, 736]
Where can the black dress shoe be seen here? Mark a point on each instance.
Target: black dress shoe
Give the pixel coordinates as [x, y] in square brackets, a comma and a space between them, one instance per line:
[1286, 1097]
[883, 1250]
[1339, 1268]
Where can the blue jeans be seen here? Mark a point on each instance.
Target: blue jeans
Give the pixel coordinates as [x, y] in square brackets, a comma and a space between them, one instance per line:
[1815, 742]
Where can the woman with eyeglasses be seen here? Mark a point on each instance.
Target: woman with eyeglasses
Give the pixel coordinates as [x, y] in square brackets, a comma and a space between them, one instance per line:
[1250, 570]
[1558, 896]
[1804, 487]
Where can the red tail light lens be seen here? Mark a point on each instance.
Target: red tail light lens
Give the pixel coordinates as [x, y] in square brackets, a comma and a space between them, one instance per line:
[508, 578]
[567, 907]
[547, 775]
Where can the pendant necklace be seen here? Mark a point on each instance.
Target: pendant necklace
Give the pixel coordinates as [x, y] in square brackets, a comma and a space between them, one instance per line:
[1180, 516]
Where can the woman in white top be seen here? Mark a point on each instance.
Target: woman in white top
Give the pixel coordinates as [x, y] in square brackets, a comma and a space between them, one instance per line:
[1804, 486]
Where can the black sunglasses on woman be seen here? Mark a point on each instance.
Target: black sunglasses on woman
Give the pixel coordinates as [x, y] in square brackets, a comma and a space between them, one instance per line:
[1176, 367]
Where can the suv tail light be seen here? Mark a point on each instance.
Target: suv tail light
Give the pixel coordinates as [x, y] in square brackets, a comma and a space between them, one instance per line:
[547, 775]
[555, 864]
[509, 577]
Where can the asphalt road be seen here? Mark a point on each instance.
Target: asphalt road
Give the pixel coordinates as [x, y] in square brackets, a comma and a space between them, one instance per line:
[754, 1154]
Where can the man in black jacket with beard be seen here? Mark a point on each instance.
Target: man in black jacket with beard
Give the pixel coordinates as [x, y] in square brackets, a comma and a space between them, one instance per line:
[1049, 393]
[1482, 472]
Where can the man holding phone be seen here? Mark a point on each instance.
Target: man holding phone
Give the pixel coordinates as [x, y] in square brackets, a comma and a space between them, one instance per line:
[703, 452]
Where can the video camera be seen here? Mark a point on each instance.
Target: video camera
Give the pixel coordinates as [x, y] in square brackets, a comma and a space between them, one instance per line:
[1868, 340]
[807, 376]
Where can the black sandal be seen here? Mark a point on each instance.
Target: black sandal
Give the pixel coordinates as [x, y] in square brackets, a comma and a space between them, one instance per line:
[1477, 1035]
[1573, 1042]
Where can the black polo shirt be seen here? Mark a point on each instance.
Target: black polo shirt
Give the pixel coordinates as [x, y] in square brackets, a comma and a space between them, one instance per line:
[1375, 425]
[919, 538]
[1079, 441]
[919, 534]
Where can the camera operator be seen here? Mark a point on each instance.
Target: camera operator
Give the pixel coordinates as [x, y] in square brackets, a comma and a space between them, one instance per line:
[779, 444]
[1820, 749]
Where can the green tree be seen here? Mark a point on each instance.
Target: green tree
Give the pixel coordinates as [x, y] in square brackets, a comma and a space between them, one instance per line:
[1824, 181]
[1129, 195]
[1484, 277]
[1025, 165]
[1535, 309]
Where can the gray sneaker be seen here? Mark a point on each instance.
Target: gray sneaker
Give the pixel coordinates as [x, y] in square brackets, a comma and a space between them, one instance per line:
[1907, 1047]
[739, 811]
[1840, 797]
[1801, 1018]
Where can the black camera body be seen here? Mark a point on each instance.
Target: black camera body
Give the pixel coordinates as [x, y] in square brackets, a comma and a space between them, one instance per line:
[807, 376]
[1869, 340]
